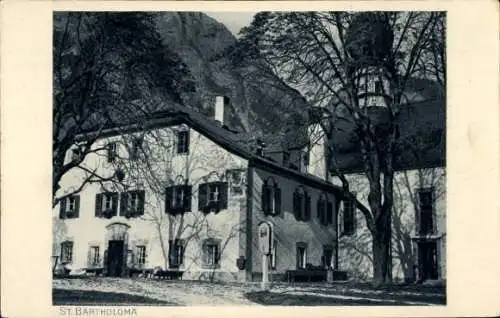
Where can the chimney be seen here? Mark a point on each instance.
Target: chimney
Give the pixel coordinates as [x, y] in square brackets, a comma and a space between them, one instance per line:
[220, 105]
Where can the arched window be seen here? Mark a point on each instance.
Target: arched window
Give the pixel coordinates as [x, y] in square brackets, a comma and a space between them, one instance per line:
[301, 204]
[324, 210]
[271, 197]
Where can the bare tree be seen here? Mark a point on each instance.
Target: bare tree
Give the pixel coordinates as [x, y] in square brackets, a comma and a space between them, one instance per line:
[105, 66]
[325, 56]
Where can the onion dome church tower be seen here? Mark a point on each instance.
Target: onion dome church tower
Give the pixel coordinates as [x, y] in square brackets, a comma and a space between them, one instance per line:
[369, 41]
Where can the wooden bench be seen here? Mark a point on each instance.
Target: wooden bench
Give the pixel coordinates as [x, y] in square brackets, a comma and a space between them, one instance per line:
[313, 275]
[168, 274]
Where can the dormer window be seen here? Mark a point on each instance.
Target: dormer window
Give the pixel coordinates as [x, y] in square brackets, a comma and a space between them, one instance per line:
[182, 141]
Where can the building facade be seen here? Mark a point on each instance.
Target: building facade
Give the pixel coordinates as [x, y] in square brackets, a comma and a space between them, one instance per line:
[182, 194]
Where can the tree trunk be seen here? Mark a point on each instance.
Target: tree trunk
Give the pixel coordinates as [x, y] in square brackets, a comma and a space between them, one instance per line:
[381, 249]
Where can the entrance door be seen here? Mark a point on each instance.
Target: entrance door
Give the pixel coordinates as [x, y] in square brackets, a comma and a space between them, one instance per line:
[115, 258]
[428, 264]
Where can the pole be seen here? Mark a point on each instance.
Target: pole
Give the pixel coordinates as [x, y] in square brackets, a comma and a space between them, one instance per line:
[265, 274]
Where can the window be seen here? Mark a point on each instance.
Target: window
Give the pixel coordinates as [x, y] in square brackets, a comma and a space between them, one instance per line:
[106, 204]
[76, 154]
[237, 181]
[182, 141]
[211, 252]
[349, 217]
[301, 255]
[379, 88]
[175, 253]
[301, 205]
[135, 148]
[271, 197]
[426, 211]
[178, 199]
[94, 259]
[141, 255]
[132, 203]
[325, 210]
[66, 252]
[212, 196]
[112, 151]
[69, 207]
[326, 259]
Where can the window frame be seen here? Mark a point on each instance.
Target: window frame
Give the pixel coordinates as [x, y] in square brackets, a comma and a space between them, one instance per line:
[271, 197]
[349, 217]
[67, 252]
[215, 257]
[426, 220]
[176, 247]
[301, 258]
[182, 148]
[206, 205]
[135, 148]
[141, 255]
[95, 256]
[112, 151]
[302, 209]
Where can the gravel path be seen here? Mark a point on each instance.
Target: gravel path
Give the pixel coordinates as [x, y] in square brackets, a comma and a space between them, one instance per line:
[183, 293]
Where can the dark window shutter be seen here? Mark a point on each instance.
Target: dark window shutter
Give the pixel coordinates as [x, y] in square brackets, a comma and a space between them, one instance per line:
[123, 204]
[170, 253]
[142, 197]
[98, 205]
[223, 195]
[217, 253]
[77, 206]
[296, 205]
[89, 256]
[320, 210]
[202, 196]
[329, 212]
[265, 198]
[187, 198]
[277, 200]
[187, 141]
[114, 203]
[417, 212]
[62, 208]
[168, 199]
[307, 207]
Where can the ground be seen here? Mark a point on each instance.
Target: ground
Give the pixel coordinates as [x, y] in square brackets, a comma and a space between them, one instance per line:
[124, 291]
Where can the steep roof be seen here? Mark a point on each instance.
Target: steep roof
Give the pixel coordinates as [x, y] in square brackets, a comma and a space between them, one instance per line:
[421, 142]
[232, 141]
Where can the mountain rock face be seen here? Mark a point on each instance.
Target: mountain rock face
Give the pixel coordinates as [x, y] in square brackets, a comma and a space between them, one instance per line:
[258, 102]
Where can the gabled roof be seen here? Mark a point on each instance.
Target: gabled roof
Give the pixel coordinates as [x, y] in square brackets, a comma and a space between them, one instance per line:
[232, 141]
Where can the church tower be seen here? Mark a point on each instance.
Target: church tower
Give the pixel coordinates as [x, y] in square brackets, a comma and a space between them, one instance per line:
[368, 42]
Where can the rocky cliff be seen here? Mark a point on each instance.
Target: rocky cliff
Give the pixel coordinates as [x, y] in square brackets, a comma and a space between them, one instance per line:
[258, 102]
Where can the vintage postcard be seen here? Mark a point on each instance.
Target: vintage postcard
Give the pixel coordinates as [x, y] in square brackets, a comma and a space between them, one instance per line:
[249, 159]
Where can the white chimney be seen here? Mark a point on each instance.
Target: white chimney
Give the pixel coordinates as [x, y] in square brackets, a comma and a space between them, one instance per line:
[220, 104]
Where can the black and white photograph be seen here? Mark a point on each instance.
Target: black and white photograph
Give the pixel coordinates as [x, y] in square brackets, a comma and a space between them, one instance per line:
[262, 158]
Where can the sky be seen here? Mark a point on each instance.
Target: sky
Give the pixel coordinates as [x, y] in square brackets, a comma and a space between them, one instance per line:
[234, 21]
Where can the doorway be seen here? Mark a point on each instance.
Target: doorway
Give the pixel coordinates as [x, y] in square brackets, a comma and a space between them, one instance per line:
[428, 264]
[115, 258]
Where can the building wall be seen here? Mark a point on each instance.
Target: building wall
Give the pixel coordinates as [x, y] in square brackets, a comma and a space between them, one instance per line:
[287, 230]
[355, 251]
[206, 161]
